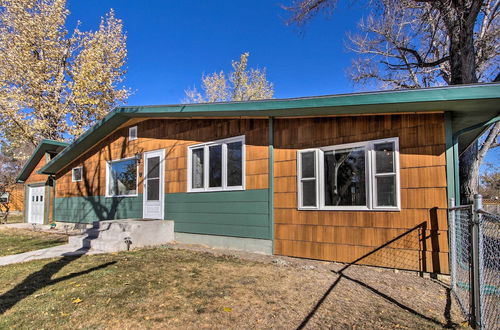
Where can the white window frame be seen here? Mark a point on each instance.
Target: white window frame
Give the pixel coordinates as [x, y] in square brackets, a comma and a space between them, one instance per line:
[300, 179]
[205, 146]
[132, 137]
[370, 168]
[108, 165]
[73, 173]
[5, 196]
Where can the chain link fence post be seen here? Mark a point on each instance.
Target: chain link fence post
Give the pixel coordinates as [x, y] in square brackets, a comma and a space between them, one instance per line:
[475, 286]
[453, 246]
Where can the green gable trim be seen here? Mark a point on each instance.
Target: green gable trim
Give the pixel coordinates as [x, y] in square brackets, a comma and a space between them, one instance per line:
[88, 209]
[43, 147]
[224, 213]
[469, 103]
[88, 139]
[271, 180]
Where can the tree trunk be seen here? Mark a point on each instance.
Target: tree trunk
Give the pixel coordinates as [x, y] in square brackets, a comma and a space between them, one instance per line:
[461, 50]
[460, 25]
[469, 175]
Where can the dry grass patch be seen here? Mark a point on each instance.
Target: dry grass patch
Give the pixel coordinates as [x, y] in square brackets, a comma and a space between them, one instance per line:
[14, 218]
[173, 288]
[13, 241]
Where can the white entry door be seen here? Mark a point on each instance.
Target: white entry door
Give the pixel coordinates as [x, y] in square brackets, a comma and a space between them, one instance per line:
[154, 164]
[36, 204]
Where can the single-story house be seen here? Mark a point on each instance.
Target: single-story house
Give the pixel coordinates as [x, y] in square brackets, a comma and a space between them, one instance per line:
[39, 189]
[362, 177]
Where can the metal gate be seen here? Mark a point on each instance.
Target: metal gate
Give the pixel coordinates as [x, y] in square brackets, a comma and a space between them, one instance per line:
[475, 263]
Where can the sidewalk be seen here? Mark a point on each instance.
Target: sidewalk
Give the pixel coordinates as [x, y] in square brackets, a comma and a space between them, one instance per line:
[53, 252]
[24, 225]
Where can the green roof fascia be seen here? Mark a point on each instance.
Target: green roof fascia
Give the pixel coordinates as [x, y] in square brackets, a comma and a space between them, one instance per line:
[267, 107]
[93, 135]
[43, 147]
[482, 99]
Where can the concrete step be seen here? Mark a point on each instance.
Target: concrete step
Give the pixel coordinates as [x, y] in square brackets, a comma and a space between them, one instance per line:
[109, 236]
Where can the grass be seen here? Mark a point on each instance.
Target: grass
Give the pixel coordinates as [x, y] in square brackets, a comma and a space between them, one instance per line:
[15, 218]
[13, 241]
[173, 288]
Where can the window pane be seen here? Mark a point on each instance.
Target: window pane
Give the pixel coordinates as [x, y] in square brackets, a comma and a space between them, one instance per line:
[345, 182]
[309, 193]
[153, 188]
[215, 166]
[77, 174]
[384, 157]
[123, 177]
[307, 164]
[153, 167]
[197, 168]
[132, 133]
[234, 164]
[386, 191]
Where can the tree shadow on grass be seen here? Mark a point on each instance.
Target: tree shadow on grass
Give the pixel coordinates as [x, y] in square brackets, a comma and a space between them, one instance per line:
[341, 276]
[43, 278]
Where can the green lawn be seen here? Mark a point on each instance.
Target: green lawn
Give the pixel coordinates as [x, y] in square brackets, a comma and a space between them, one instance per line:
[13, 241]
[165, 288]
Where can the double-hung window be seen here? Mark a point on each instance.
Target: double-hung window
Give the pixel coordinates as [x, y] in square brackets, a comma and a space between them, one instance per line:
[356, 176]
[218, 165]
[121, 178]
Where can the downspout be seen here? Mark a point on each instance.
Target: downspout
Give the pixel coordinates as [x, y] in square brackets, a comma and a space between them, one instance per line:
[271, 180]
[53, 201]
[47, 196]
[450, 168]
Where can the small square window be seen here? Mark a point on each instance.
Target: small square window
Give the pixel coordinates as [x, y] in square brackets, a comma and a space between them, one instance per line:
[4, 198]
[132, 133]
[77, 174]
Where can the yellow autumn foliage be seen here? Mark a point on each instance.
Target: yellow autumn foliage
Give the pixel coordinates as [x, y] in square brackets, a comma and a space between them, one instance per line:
[241, 84]
[54, 84]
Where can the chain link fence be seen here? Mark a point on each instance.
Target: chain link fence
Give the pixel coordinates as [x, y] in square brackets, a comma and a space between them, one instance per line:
[489, 269]
[475, 263]
[460, 253]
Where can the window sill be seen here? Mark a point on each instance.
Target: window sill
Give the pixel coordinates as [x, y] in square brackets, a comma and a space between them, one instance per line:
[122, 196]
[215, 190]
[392, 209]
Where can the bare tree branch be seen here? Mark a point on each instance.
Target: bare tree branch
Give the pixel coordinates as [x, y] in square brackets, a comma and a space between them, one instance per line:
[420, 63]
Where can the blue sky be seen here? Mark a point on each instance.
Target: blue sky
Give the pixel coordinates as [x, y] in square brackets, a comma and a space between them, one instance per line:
[171, 43]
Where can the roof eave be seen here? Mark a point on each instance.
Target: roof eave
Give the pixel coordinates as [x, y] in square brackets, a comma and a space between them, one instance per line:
[454, 99]
[44, 146]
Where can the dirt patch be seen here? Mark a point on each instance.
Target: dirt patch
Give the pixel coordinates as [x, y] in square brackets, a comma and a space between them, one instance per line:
[191, 287]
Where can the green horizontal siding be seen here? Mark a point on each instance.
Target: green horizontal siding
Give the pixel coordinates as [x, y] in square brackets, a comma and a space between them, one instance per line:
[226, 213]
[95, 208]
